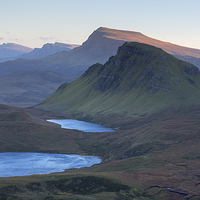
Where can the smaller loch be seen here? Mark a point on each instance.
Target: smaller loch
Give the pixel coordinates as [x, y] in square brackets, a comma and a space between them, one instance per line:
[81, 125]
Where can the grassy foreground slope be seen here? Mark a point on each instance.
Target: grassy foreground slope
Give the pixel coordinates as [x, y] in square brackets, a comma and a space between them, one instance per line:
[140, 80]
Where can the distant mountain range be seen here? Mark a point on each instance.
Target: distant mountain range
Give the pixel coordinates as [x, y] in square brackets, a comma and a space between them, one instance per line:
[100, 45]
[30, 87]
[12, 50]
[46, 50]
[139, 81]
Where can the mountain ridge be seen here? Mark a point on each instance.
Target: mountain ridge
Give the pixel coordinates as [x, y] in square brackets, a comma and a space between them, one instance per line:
[12, 49]
[140, 80]
[96, 49]
[178, 49]
[48, 49]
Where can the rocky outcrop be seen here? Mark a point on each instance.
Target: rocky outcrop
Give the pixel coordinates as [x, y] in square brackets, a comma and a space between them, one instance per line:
[134, 67]
[191, 69]
[140, 51]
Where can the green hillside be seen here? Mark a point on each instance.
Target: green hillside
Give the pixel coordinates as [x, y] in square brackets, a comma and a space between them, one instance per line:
[140, 80]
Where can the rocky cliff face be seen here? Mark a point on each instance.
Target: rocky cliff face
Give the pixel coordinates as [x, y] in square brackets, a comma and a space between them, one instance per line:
[138, 66]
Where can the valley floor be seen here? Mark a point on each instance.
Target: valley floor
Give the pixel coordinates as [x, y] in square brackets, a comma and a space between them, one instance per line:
[156, 157]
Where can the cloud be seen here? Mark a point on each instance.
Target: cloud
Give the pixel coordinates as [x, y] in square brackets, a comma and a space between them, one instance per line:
[15, 40]
[46, 38]
[1, 38]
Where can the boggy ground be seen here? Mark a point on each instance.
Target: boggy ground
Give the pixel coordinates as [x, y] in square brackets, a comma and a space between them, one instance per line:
[157, 157]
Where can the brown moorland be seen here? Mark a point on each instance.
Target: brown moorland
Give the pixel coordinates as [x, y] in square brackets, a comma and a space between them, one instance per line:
[156, 157]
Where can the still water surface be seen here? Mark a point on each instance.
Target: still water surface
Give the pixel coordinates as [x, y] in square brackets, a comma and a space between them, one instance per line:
[23, 164]
[81, 125]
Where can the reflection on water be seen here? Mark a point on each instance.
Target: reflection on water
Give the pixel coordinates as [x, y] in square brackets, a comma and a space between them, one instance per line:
[23, 164]
[81, 125]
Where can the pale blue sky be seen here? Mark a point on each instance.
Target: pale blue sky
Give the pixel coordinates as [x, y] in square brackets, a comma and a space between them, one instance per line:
[36, 22]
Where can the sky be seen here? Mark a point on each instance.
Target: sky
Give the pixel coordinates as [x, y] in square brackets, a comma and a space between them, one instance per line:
[33, 23]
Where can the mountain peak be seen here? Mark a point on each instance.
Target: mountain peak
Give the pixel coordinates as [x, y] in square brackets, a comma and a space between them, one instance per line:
[100, 45]
[140, 49]
[12, 49]
[105, 29]
[16, 47]
[141, 66]
[140, 80]
[118, 34]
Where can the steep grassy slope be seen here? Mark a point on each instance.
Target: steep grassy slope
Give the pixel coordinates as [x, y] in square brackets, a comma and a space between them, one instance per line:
[138, 81]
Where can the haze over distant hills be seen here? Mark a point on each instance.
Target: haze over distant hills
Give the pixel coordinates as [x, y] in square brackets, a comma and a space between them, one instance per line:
[100, 45]
[46, 50]
[12, 50]
[29, 87]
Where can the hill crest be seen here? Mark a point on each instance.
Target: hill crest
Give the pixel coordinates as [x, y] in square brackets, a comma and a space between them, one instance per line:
[138, 81]
[12, 49]
[48, 49]
[132, 36]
